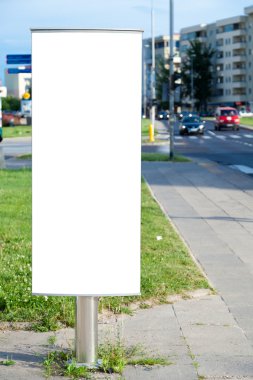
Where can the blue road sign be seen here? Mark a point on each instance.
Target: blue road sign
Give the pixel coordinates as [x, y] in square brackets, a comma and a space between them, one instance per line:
[19, 71]
[18, 59]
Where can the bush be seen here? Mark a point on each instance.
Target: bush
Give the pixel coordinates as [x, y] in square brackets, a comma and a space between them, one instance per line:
[10, 104]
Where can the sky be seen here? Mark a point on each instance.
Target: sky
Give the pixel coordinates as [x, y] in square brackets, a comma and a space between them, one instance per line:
[18, 16]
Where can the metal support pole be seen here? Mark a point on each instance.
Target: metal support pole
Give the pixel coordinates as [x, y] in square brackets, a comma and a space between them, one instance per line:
[192, 103]
[86, 330]
[1, 123]
[171, 60]
[153, 80]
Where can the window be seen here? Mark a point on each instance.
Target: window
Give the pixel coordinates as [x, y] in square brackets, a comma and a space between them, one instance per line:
[228, 28]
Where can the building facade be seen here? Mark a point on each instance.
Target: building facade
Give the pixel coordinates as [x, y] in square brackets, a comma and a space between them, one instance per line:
[18, 84]
[232, 65]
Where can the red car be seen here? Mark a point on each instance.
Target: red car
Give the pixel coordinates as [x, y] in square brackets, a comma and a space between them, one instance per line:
[11, 118]
[226, 117]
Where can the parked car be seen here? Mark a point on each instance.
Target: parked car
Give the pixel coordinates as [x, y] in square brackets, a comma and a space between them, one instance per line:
[191, 124]
[226, 117]
[245, 112]
[11, 118]
[163, 115]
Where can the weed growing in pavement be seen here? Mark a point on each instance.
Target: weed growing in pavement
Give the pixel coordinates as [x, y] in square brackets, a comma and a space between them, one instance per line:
[114, 358]
[51, 340]
[7, 362]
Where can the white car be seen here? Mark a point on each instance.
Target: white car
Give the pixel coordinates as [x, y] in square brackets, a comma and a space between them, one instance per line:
[245, 113]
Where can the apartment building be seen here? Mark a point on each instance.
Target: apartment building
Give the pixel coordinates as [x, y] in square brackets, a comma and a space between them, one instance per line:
[232, 65]
[162, 53]
[18, 84]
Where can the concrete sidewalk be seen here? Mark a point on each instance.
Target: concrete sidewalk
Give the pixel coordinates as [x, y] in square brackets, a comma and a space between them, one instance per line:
[205, 336]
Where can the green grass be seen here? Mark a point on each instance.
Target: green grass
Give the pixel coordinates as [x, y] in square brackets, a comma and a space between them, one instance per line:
[16, 300]
[162, 157]
[7, 362]
[167, 267]
[25, 157]
[145, 123]
[114, 357]
[247, 121]
[17, 131]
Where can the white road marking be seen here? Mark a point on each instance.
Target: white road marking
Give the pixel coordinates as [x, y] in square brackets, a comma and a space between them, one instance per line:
[248, 136]
[234, 136]
[193, 137]
[248, 144]
[221, 137]
[242, 168]
[206, 137]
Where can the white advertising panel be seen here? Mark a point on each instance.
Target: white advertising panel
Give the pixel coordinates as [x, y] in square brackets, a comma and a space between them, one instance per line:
[86, 149]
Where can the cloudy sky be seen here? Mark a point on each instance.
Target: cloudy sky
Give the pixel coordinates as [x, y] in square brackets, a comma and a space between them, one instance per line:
[18, 16]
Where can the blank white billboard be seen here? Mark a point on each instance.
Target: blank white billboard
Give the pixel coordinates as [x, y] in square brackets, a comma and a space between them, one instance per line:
[86, 149]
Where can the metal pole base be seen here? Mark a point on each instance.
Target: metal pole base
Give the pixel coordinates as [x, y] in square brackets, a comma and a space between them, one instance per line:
[86, 330]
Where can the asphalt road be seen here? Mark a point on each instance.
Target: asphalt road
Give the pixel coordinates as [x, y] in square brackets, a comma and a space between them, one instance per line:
[11, 148]
[16, 146]
[226, 147]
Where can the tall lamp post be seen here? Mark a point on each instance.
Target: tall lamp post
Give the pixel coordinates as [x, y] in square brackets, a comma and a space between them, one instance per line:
[192, 83]
[153, 92]
[171, 119]
[145, 46]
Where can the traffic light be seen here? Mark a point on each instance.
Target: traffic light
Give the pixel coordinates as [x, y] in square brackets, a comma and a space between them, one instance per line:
[176, 80]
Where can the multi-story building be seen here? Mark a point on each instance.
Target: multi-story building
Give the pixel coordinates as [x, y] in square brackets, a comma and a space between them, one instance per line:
[232, 65]
[18, 84]
[162, 53]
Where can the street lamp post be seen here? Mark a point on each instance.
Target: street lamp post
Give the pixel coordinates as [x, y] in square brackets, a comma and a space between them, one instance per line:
[171, 119]
[192, 83]
[153, 92]
[145, 46]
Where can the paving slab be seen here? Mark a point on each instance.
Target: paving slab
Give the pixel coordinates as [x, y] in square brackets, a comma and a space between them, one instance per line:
[217, 202]
[197, 336]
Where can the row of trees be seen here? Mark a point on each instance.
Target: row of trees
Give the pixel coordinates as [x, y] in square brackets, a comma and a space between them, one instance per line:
[196, 77]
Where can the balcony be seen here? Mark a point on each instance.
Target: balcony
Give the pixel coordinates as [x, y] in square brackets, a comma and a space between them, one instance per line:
[239, 51]
[239, 45]
[239, 58]
[240, 85]
[240, 91]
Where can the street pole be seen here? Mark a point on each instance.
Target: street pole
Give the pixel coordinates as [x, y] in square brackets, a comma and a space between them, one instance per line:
[171, 118]
[153, 92]
[86, 340]
[192, 104]
[144, 81]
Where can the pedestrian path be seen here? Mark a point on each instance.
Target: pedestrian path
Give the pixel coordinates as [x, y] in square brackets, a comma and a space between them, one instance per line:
[212, 208]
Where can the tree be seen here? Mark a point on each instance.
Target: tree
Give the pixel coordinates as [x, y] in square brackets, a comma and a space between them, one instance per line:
[196, 70]
[162, 83]
[10, 104]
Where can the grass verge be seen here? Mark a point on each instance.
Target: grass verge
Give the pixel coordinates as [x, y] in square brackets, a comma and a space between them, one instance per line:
[145, 123]
[25, 157]
[17, 131]
[247, 121]
[162, 157]
[167, 267]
